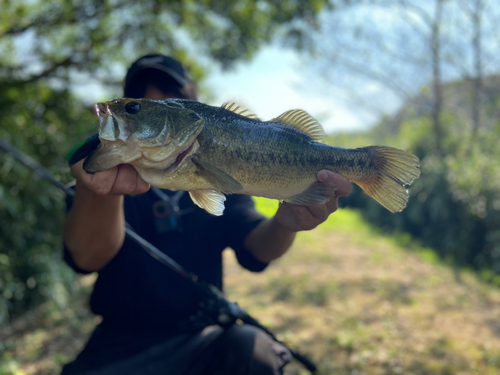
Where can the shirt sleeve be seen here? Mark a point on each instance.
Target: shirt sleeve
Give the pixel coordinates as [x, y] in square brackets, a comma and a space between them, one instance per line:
[240, 219]
[68, 258]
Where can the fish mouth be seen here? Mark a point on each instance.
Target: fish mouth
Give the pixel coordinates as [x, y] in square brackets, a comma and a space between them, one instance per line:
[109, 129]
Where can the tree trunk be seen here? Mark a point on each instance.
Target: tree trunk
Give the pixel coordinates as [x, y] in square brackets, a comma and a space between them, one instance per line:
[478, 68]
[436, 75]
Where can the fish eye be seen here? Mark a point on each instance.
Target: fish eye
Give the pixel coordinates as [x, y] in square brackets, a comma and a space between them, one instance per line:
[132, 107]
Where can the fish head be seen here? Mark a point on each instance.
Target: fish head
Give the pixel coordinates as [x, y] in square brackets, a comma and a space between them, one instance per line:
[143, 131]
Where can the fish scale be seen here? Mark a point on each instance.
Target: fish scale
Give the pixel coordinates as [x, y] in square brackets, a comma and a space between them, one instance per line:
[258, 158]
[212, 151]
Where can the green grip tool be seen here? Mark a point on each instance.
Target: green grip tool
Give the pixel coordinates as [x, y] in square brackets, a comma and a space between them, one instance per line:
[83, 149]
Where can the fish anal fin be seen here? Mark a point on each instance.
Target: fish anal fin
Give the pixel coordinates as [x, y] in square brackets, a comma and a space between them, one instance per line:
[210, 200]
[393, 171]
[219, 179]
[233, 107]
[302, 121]
[317, 193]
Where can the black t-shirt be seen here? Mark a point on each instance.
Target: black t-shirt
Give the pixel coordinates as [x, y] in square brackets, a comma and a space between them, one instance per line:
[141, 300]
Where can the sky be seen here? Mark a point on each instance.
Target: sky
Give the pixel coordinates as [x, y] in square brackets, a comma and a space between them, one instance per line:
[271, 84]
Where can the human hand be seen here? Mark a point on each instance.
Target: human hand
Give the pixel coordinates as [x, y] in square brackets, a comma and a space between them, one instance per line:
[119, 180]
[296, 218]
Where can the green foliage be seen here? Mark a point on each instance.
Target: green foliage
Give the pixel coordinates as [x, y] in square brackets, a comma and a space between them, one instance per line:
[44, 123]
[455, 205]
[57, 38]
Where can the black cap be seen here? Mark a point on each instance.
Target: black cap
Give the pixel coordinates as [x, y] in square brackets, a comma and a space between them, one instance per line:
[154, 62]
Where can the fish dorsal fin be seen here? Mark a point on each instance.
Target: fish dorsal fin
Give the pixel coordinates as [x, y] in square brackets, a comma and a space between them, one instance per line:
[233, 107]
[302, 121]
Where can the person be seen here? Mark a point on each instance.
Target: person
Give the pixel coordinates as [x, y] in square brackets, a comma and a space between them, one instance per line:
[149, 312]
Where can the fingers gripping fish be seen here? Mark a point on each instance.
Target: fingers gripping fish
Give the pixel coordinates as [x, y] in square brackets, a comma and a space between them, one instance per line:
[209, 151]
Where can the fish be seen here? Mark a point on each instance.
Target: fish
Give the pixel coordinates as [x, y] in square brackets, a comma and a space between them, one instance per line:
[209, 151]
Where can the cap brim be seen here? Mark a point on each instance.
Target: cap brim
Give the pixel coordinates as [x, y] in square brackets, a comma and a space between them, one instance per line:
[176, 76]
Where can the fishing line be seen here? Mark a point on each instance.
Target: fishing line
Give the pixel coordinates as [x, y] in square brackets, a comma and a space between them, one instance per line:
[218, 309]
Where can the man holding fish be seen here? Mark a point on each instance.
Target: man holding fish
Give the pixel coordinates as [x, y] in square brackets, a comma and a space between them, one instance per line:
[149, 314]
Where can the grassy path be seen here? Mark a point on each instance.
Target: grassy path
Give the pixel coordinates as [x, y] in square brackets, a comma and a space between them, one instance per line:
[355, 301]
[359, 303]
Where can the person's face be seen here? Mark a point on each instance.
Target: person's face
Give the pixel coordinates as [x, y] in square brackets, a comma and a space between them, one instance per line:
[153, 92]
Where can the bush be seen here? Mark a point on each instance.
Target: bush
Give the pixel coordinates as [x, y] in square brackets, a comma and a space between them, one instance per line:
[455, 204]
[45, 126]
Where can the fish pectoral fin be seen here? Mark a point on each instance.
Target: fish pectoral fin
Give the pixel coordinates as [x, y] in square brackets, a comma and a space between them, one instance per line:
[219, 179]
[303, 121]
[211, 201]
[318, 193]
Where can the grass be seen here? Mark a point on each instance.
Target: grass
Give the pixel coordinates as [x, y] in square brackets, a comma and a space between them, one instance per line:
[359, 301]
[44, 339]
[352, 299]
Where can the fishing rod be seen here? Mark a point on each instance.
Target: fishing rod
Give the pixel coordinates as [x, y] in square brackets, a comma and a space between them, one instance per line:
[216, 309]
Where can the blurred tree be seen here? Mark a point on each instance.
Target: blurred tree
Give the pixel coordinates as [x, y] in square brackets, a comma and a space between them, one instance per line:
[50, 47]
[61, 39]
[403, 52]
[475, 13]
[439, 60]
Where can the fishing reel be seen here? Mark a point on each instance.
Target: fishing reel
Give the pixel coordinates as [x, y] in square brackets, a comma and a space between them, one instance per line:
[215, 309]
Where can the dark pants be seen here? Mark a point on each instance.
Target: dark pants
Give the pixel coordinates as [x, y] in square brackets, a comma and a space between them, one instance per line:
[237, 350]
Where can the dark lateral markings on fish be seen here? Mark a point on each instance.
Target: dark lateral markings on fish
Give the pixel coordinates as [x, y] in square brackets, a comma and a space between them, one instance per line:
[179, 144]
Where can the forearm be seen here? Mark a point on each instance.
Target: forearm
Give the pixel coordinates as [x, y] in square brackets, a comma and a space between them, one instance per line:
[94, 228]
[269, 240]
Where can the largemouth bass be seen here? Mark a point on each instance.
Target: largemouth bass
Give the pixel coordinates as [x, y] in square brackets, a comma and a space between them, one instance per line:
[209, 151]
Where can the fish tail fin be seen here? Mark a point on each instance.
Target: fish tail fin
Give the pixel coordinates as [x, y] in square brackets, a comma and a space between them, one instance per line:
[392, 171]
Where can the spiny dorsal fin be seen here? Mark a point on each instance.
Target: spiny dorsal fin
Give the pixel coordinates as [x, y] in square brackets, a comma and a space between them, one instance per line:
[302, 121]
[233, 107]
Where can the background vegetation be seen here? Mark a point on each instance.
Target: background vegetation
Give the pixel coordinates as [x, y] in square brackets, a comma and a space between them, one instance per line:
[438, 58]
[455, 205]
[44, 123]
